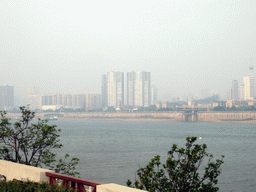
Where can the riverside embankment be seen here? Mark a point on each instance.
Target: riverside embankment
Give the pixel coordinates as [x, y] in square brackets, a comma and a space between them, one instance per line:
[227, 117]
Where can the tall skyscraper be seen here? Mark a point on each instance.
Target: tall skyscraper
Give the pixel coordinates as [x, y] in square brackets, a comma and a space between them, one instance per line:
[249, 86]
[234, 90]
[139, 89]
[131, 77]
[6, 97]
[115, 89]
[104, 91]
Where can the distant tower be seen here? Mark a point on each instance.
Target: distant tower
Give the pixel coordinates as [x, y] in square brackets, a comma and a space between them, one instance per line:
[115, 88]
[234, 90]
[104, 91]
[242, 91]
[249, 86]
[153, 95]
[139, 89]
[93, 101]
[130, 88]
[6, 97]
[34, 98]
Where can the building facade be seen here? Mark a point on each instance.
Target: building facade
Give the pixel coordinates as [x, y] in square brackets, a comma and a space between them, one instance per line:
[6, 97]
[153, 95]
[113, 89]
[75, 101]
[35, 101]
[249, 86]
[234, 92]
[47, 100]
[34, 98]
[93, 101]
[104, 91]
[131, 77]
[139, 89]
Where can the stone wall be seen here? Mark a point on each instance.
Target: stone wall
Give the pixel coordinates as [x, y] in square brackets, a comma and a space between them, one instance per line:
[22, 172]
[111, 187]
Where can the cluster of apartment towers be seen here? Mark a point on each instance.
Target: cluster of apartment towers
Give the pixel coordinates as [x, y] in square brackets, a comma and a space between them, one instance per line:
[139, 90]
[246, 91]
[139, 94]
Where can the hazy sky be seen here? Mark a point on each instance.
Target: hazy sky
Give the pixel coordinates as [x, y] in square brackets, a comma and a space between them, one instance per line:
[65, 46]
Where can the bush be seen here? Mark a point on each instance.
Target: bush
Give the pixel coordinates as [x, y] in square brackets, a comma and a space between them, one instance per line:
[181, 171]
[29, 186]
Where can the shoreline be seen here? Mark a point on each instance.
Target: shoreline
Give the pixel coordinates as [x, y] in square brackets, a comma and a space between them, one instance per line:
[157, 120]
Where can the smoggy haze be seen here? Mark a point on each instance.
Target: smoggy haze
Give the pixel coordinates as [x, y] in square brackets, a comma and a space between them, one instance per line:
[65, 46]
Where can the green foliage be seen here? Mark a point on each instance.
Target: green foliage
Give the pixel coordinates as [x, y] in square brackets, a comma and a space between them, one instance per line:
[31, 143]
[67, 168]
[29, 186]
[181, 171]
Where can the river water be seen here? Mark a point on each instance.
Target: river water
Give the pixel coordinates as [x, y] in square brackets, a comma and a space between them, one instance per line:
[112, 151]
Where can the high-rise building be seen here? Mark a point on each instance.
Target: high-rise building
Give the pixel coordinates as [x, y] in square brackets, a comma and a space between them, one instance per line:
[74, 100]
[69, 101]
[139, 89]
[249, 86]
[34, 98]
[115, 89]
[47, 99]
[241, 91]
[153, 95]
[57, 99]
[131, 76]
[81, 100]
[78, 100]
[234, 90]
[93, 101]
[104, 91]
[6, 97]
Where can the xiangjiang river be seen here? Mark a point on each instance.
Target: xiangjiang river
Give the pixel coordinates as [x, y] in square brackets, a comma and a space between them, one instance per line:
[112, 151]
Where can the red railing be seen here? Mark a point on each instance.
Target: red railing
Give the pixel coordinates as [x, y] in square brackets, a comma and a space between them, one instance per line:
[73, 182]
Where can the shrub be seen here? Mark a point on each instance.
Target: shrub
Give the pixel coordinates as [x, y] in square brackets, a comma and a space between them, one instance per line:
[181, 171]
[29, 186]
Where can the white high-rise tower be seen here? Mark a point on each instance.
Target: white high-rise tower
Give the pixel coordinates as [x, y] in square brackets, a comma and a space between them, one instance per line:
[249, 86]
[115, 89]
[139, 89]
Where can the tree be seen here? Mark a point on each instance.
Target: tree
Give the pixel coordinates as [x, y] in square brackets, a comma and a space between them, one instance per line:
[181, 171]
[31, 142]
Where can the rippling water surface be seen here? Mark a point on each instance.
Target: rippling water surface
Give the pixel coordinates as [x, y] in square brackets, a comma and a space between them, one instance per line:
[112, 151]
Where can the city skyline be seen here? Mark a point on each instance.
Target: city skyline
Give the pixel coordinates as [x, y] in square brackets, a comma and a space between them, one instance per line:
[139, 93]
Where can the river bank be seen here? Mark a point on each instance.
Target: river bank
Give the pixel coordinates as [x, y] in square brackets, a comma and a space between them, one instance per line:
[211, 117]
[155, 120]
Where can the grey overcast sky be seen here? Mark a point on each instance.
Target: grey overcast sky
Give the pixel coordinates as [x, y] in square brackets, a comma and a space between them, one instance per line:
[65, 46]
